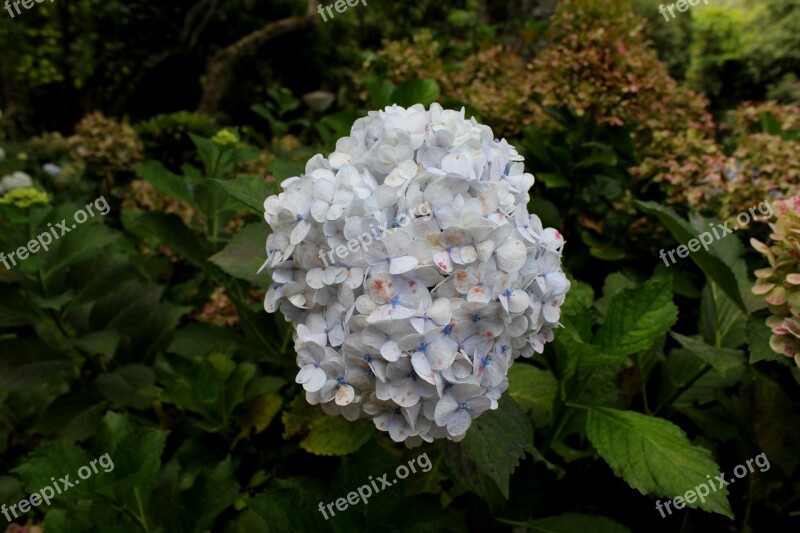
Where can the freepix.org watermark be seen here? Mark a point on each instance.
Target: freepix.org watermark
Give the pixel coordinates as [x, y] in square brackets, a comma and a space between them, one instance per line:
[27, 4]
[682, 5]
[365, 239]
[340, 6]
[364, 492]
[59, 487]
[708, 237]
[702, 490]
[46, 238]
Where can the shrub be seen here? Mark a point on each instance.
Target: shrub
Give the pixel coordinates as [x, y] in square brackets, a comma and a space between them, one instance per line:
[166, 137]
[106, 145]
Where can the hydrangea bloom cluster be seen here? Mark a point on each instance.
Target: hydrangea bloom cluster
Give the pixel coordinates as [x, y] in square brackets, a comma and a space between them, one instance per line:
[780, 282]
[440, 278]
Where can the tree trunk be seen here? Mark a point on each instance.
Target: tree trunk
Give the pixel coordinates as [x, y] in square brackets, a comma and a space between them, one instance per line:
[220, 68]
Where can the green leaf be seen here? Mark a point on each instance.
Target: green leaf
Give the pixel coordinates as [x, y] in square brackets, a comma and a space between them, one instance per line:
[245, 254]
[423, 91]
[214, 491]
[654, 456]
[272, 506]
[534, 390]
[200, 340]
[758, 335]
[137, 461]
[498, 440]
[572, 523]
[598, 158]
[552, 180]
[85, 242]
[165, 181]
[333, 435]
[170, 231]
[636, 318]
[14, 309]
[721, 322]
[713, 267]
[260, 412]
[54, 460]
[723, 359]
[579, 297]
[380, 91]
[129, 386]
[98, 343]
[250, 190]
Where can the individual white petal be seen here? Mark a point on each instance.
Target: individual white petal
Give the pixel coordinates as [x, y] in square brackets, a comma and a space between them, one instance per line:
[402, 264]
[344, 395]
[422, 367]
[317, 380]
[305, 374]
[405, 394]
[458, 423]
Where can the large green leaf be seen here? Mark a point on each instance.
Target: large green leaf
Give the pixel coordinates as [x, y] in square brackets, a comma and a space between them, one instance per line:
[573, 523]
[636, 318]
[14, 309]
[272, 507]
[170, 231]
[721, 322]
[245, 254]
[723, 359]
[85, 242]
[654, 456]
[497, 441]
[534, 390]
[165, 181]
[713, 267]
[333, 435]
[758, 335]
[137, 461]
[423, 91]
[250, 190]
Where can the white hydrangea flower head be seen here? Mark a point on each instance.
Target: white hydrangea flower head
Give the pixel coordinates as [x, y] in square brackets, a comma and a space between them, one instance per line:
[15, 180]
[412, 272]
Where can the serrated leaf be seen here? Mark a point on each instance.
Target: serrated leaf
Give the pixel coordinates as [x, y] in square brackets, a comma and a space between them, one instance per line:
[243, 256]
[298, 416]
[534, 391]
[170, 231]
[654, 456]
[723, 359]
[721, 322]
[213, 492]
[497, 441]
[333, 435]
[85, 242]
[137, 461]
[260, 412]
[758, 335]
[636, 318]
[573, 523]
[53, 460]
[713, 267]
[250, 190]
[272, 507]
[165, 181]
[579, 297]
